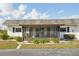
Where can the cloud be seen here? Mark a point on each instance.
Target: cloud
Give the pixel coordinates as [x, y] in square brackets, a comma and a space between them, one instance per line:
[5, 9]
[19, 12]
[60, 12]
[71, 17]
[32, 15]
[22, 8]
[35, 15]
[74, 16]
[44, 15]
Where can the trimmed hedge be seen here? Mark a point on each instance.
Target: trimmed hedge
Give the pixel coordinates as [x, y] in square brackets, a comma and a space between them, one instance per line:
[56, 40]
[69, 36]
[19, 39]
[40, 40]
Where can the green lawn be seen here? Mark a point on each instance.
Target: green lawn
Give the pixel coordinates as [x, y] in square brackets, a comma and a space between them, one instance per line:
[13, 44]
[69, 44]
[8, 44]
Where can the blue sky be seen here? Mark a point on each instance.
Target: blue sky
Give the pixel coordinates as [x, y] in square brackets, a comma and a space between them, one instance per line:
[39, 10]
[52, 9]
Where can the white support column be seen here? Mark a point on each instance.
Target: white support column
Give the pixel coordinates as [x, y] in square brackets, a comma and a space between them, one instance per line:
[45, 31]
[27, 31]
[66, 28]
[34, 32]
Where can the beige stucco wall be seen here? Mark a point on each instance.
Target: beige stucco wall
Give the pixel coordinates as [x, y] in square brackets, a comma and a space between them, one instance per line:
[73, 30]
[13, 34]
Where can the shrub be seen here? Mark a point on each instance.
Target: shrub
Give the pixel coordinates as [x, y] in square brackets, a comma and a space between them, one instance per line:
[43, 40]
[19, 39]
[36, 41]
[11, 37]
[69, 36]
[56, 40]
[40, 40]
[4, 36]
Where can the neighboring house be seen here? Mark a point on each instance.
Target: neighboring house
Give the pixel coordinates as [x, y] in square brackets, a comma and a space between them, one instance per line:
[42, 27]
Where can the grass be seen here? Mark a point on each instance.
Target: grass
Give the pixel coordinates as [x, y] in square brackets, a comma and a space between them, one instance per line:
[8, 44]
[68, 44]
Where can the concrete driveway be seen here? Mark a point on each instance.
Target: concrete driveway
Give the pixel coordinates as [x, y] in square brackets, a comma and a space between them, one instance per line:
[40, 52]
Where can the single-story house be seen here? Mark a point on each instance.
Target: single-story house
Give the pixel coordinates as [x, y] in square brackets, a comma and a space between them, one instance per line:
[42, 27]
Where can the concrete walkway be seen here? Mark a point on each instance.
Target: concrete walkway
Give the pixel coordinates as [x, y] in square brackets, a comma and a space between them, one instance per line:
[40, 52]
[20, 44]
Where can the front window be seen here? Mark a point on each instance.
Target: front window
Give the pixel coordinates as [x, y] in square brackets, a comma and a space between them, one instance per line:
[65, 29]
[62, 29]
[16, 29]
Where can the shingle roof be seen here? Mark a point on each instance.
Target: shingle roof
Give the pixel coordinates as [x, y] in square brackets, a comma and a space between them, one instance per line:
[42, 21]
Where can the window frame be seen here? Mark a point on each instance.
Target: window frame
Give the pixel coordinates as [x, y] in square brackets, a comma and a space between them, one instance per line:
[15, 29]
[63, 29]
